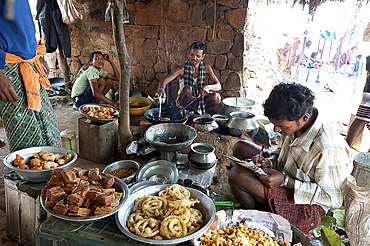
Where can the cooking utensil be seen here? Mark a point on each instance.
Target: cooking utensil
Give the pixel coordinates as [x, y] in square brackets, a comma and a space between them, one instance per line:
[161, 171]
[37, 175]
[205, 124]
[123, 164]
[167, 117]
[119, 185]
[248, 164]
[206, 206]
[224, 203]
[202, 153]
[94, 119]
[241, 122]
[195, 99]
[234, 104]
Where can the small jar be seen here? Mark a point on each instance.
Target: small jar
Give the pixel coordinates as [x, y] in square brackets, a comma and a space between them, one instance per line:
[69, 139]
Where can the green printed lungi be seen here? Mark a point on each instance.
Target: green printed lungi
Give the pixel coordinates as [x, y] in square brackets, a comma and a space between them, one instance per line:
[26, 127]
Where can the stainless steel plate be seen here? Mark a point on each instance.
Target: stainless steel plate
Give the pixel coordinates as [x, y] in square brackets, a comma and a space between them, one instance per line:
[119, 185]
[206, 206]
[28, 153]
[94, 119]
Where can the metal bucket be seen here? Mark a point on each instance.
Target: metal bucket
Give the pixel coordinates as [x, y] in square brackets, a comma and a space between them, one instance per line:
[233, 104]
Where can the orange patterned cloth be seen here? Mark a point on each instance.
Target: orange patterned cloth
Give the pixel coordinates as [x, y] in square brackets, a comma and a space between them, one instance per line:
[31, 78]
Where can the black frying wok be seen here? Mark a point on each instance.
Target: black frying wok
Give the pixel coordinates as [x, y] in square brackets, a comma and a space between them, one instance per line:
[168, 115]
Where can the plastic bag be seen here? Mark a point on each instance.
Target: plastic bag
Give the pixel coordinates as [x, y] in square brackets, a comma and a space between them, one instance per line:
[69, 11]
[357, 207]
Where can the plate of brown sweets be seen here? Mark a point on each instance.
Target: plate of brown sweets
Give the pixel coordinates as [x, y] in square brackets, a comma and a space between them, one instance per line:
[83, 195]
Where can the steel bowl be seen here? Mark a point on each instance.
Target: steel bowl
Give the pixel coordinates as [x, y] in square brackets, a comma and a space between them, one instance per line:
[119, 185]
[94, 119]
[202, 153]
[206, 206]
[161, 171]
[123, 164]
[28, 153]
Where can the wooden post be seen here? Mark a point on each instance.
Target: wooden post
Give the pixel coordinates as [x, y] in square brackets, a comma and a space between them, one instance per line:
[124, 85]
[300, 58]
[64, 68]
[170, 97]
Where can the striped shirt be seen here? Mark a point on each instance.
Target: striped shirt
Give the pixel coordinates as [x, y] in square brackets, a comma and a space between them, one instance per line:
[319, 160]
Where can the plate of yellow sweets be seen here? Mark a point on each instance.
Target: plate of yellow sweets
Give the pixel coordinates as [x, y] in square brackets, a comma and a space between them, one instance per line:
[166, 214]
[99, 113]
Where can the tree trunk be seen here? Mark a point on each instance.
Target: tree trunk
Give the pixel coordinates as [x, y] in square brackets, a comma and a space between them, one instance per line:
[124, 86]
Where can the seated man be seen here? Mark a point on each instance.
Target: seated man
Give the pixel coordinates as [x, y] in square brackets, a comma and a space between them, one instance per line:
[305, 172]
[194, 72]
[94, 83]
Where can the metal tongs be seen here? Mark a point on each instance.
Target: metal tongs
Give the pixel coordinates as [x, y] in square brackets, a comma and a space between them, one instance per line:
[195, 99]
[248, 164]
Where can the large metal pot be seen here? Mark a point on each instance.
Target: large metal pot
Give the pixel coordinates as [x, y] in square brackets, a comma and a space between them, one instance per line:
[234, 104]
[241, 123]
[37, 175]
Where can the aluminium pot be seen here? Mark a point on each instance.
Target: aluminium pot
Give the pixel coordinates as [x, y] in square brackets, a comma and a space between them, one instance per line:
[236, 104]
[241, 123]
[202, 155]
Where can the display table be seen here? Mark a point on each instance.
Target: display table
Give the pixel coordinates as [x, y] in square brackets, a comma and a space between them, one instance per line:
[57, 232]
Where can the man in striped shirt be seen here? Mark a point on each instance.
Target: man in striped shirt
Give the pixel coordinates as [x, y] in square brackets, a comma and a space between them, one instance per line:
[305, 172]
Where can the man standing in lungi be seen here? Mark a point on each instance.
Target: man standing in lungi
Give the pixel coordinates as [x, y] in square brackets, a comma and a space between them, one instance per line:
[304, 173]
[194, 72]
[24, 104]
[362, 115]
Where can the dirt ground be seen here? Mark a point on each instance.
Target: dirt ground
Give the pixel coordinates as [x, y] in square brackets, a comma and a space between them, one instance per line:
[68, 119]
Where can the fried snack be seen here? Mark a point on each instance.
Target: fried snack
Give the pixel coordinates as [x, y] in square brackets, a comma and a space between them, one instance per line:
[237, 235]
[102, 113]
[173, 227]
[134, 218]
[154, 206]
[175, 192]
[19, 161]
[147, 227]
[42, 160]
[176, 216]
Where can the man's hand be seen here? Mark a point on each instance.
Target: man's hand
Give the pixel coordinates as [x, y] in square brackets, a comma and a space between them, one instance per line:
[261, 161]
[7, 91]
[160, 93]
[273, 179]
[107, 57]
[205, 91]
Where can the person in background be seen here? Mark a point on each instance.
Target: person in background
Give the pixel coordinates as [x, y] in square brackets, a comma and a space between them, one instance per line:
[306, 170]
[314, 62]
[306, 54]
[350, 59]
[94, 83]
[194, 72]
[281, 241]
[25, 108]
[363, 113]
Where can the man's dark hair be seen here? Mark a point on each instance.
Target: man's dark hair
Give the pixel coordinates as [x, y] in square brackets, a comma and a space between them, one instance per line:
[308, 43]
[288, 102]
[92, 54]
[314, 54]
[198, 46]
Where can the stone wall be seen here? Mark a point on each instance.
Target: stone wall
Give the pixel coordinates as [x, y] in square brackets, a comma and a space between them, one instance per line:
[187, 21]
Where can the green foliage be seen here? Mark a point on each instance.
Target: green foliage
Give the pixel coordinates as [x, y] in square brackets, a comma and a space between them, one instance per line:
[330, 227]
[330, 238]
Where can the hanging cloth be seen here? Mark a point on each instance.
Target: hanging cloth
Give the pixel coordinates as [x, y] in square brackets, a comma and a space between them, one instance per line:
[31, 78]
[196, 87]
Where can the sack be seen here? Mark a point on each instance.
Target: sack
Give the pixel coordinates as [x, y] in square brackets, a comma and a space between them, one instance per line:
[69, 11]
[357, 207]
